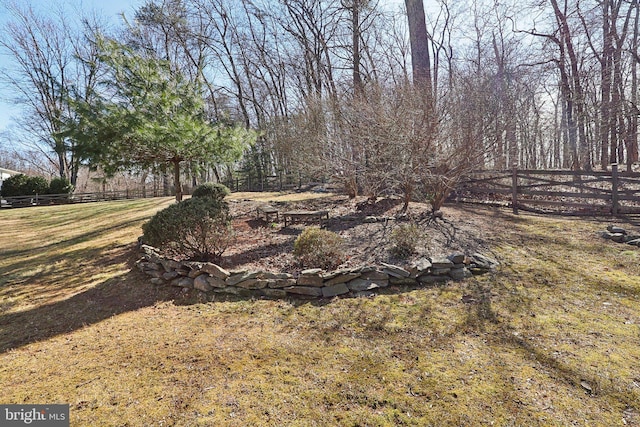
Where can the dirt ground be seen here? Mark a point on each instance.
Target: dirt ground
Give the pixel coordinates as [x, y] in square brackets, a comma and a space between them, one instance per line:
[269, 246]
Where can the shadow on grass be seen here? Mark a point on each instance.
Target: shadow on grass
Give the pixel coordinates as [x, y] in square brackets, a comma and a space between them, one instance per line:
[61, 245]
[114, 296]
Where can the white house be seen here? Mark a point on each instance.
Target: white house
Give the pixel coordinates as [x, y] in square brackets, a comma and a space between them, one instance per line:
[6, 173]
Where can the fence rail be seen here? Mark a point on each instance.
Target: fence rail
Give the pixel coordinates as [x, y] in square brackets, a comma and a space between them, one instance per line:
[278, 182]
[60, 199]
[559, 191]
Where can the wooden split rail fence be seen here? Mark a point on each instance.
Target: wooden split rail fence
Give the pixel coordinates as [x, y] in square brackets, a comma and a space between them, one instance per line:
[59, 199]
[558, 191]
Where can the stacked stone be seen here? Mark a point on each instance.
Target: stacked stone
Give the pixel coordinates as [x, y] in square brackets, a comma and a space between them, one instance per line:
[621, 235]
[211, 278]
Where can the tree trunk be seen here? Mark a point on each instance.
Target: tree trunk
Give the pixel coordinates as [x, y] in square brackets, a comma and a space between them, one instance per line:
[419, 40]
[176, 179]
[632, 154]
[605, 87]
[358, 86]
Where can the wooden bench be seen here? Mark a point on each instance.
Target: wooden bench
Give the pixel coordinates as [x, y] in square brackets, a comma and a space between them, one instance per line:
[267, 212]
[293, 217]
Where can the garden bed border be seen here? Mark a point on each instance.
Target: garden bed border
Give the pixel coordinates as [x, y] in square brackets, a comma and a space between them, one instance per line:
[211, 279]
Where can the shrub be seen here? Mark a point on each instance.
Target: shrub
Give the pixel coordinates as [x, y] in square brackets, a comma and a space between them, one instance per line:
[213, 190]
[60, 186]
[404, 240]
[36, 185]
[198, 229]
[319, 248]
[14, 185]
[23, 185]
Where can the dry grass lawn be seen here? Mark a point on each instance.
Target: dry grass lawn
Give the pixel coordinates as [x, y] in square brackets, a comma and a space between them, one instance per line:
[553, 338]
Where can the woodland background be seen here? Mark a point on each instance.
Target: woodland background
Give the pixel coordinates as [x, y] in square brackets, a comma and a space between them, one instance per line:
[379, 97]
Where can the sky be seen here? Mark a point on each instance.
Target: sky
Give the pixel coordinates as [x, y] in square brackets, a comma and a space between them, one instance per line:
[110, 9]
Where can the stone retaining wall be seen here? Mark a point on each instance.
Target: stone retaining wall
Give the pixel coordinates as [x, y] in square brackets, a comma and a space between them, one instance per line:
[315, 283]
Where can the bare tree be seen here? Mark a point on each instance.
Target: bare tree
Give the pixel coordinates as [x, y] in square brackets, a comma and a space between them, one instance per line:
[43, 77]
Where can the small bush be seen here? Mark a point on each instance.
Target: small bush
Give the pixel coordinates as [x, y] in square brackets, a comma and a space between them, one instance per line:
[36, 185]
[14, 185]
[23, 185]
[212, 190]
[319, 248]
[198, 229]
[404, 240]
[60, 186]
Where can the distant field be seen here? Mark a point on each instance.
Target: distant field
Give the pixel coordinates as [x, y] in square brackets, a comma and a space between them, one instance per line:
[553, 338]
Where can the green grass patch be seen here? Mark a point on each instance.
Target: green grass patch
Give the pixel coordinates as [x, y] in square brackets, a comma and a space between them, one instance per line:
[550, 339]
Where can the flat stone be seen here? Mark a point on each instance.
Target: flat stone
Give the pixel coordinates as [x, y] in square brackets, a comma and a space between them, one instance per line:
[227, 290]
[215, 282]
[281, 283]
[183, 282]
[310, 280]
[171, 265]
[370, 219]
[459, 273]
[483, 261]
[358, 285]
[335, 290]
[149, 250]
[616, 230]
[157, 281]
[274, 293]
[252, 284]
[200, 283]
[234, 279]
[628, 238]
[395, 271]
[304, 290]
[311, 271]
[440, 262]
[420, 267]
[438, 271]
[618, 237]
[215, 270]
[635, 242]
[146, 265]
[375, 276]
[195, 273]
[170, 275]
[275, 276]
[331, 274]
[457, 258]
[343, 278]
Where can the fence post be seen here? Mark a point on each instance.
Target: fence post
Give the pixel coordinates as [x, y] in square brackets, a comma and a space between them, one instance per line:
[514, 189]
[615, 204]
